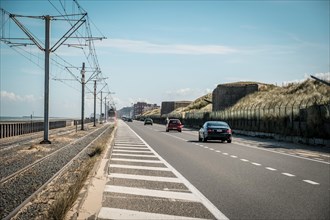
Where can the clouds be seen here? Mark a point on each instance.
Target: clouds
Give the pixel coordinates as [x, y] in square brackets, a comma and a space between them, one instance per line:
[188, 94]
[153, 48]
[12, 97]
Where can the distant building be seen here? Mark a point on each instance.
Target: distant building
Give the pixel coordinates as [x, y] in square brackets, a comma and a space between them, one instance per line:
[168, 107]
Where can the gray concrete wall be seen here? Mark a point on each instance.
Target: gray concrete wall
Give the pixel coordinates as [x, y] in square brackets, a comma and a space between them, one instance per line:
[226, 95]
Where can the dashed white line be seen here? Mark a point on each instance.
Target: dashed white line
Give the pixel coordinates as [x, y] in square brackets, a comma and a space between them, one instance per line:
[218, 151]
[272, 169]
[244, 160]
[211, 149]
[311, 182]
[256, 164]
[233, 156]
[288, 174]
[225, 153]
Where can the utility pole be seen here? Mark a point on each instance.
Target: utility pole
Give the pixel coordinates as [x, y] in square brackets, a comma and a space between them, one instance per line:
[105, 109]
[101, 110]
[82, 95]
[46, 92]
[47, 49]
[94, 103]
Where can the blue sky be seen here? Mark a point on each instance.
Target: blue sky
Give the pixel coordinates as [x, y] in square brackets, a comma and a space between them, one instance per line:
[168, 50]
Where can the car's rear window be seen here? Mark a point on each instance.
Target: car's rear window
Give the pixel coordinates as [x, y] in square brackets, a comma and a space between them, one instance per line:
[214, 124]
[174, 122]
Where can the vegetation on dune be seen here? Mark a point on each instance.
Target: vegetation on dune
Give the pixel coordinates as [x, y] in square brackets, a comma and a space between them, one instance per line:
[306, 93]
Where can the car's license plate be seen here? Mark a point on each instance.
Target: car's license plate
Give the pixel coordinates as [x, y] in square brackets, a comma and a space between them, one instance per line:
[219, 130]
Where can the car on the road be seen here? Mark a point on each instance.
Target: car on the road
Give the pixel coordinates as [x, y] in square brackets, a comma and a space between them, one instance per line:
[215, 130]
[148, 121]
[129, 120]
[174, 124]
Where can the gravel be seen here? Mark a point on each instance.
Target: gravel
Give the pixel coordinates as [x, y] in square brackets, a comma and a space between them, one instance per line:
[18, 189]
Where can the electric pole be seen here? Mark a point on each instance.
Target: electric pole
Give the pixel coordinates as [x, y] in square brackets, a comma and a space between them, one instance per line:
[94, 103]
[82, 95]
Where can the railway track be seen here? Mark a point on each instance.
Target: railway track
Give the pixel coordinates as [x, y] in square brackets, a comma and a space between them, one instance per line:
[19, 187]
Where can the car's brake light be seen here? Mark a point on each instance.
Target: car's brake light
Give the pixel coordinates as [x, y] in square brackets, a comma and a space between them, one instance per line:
[229, 131]
[209, 130]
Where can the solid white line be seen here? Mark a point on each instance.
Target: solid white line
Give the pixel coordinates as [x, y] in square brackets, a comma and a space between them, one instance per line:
[124, 214]
[127, 144]
[132, 148]
[132, 155]
[148, 178]
[311, 182]
[133, 151]
[214, 210]
[244, 160]
[135, 160]
[151, 193]
[272, 169]
[139, 167]
[257, 164]
[288, 174]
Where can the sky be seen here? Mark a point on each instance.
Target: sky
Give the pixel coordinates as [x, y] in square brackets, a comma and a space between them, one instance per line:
[158, 51]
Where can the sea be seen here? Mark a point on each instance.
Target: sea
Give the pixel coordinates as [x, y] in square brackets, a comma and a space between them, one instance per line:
[27, 118]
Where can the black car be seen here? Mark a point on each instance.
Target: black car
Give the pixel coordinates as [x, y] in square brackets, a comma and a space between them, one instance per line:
[148, 121]
[215, 130]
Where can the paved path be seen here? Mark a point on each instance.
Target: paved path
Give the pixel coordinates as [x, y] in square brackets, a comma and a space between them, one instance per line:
[142, 185]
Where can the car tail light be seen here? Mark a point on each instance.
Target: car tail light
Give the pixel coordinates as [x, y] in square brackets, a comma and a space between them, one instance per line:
[229, 131]
[209, 130]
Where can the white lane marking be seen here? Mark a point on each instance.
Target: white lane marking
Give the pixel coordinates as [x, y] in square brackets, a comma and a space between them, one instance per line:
[244, 160]
[288, 174]
[225, 153]
[132, 148]
[124, 214]
[277, 152]
[143, 177]
[134, 160]
[206, 147]
[128, 144]
[218, 151]
[233, 156]
[256, 164]
[139, 167]
[212, 208]
[211, 149]
[151, 192]
[272, 169]
[133, 151]
[133, 155]
[311, 182]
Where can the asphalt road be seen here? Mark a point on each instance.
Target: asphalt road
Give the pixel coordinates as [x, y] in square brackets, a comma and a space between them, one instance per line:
[244, 180]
